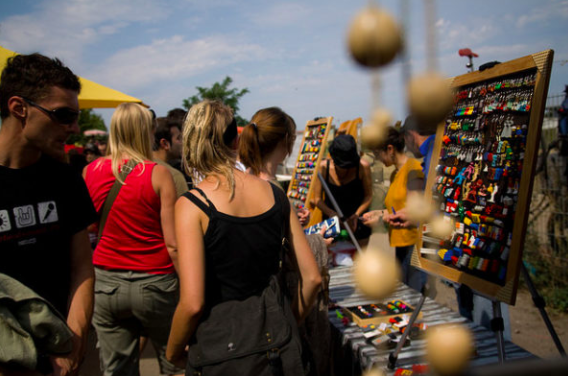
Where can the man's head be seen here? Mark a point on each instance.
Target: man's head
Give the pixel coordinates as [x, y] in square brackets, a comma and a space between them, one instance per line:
[415, 135]
[168, 138]
[91, 152]
[39, 95]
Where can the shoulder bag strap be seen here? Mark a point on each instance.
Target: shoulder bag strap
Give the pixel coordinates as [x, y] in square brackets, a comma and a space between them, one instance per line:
[124, 171]
[285, 232]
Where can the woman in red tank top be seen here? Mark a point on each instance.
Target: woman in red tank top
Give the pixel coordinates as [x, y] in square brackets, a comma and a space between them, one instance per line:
[136, 288]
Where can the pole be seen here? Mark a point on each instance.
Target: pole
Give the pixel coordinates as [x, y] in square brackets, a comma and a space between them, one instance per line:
[497, 327]
[540, 304]
[393, 356]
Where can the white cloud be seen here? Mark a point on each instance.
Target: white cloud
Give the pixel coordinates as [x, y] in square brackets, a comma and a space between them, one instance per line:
[66, 28]
[456, 35]
[281, 14]
[174, 59]
[544, 12]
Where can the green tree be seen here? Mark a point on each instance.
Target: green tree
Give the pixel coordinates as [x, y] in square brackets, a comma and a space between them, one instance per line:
[87, 120]
[222, 92]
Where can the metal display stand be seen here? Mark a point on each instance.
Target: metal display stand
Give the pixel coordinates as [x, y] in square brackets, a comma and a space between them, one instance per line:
[540, 304]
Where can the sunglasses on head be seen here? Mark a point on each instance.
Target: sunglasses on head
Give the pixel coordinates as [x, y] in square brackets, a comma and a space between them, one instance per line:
[62, 115]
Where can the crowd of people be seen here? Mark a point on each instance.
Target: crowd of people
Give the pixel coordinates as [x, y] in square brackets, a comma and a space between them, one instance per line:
[144, 249]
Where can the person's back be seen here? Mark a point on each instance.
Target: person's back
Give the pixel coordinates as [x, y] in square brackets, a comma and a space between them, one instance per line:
[136, 287]
[242, 239]
[231, 234]
[132, 238]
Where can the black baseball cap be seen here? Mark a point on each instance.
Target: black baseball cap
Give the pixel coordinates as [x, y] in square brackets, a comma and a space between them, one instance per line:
[343, 151]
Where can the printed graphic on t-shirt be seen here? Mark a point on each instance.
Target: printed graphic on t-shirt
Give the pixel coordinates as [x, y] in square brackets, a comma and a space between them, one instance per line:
[24, 216]
[47, 212]
[5, 221]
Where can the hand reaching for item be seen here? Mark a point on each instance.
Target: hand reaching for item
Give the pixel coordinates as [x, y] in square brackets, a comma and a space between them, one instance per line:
[303, 216]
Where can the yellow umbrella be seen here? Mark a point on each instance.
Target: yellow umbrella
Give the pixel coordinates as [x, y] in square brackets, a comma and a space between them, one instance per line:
[92, 95]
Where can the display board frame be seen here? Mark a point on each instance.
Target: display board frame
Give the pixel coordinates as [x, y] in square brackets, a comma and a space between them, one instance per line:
[505, 289]
[303, 177]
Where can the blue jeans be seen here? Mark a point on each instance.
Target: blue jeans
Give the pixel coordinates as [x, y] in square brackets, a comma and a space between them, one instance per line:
[411, 276]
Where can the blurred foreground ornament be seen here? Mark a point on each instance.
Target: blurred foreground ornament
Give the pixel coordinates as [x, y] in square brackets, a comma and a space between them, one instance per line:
[374, 37]
[449, 348]
[418, 209]
[375, 273]
[374, 372]
[374, 133]
[430, 99]
[442, 226]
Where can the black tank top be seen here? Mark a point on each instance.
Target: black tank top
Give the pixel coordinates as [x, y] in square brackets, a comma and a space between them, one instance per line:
[348, 196]
[241, 253]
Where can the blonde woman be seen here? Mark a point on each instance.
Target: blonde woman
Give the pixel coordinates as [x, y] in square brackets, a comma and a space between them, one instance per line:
[229, 236]
[136, 288]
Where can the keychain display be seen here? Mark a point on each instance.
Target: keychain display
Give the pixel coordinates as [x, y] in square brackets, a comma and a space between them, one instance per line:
[480, 167]
[481, 176]
[390, 312]
[311, 149]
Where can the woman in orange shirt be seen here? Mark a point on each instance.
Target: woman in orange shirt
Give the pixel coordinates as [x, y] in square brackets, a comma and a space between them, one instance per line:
[407, 177]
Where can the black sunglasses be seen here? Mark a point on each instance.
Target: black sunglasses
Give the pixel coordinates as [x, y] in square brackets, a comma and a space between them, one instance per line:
[64, 115]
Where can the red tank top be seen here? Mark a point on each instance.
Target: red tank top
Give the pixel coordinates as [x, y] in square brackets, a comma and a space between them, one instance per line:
[132, 238]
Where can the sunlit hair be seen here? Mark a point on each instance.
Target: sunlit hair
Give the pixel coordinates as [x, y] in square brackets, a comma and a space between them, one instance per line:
[130, 136]
[259, 138]
[204, 151]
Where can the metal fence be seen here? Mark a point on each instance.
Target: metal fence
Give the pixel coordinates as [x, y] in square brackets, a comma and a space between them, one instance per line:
[546, 241]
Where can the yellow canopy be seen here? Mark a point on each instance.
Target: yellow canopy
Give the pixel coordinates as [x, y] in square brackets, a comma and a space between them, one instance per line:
[92, 95]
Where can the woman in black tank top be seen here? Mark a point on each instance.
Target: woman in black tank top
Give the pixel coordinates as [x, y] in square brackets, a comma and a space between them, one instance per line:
[229, 230]
[349, 180]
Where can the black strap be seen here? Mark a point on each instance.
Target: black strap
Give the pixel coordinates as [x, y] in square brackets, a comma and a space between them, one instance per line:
[113, 193]
[206, 198]
[200, 204]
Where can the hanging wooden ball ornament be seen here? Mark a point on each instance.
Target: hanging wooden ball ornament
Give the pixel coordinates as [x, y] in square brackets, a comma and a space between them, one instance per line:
[449, 348]
[375, 273]
[374, 372]
[374, 133]
[374, 37]
[442, 226]
[429, 99]
[418, 209]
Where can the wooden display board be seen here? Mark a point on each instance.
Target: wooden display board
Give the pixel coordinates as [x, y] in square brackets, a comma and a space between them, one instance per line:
[312, 149]
[481, 175]
[350, 127]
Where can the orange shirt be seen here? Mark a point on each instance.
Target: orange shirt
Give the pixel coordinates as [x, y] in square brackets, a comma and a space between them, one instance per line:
[396, 198]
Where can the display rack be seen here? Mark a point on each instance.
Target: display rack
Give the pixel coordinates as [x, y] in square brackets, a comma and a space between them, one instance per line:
[481, 175]
[312, 149]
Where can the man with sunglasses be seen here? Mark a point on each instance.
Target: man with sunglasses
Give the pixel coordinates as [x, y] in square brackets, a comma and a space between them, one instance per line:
[45, 207]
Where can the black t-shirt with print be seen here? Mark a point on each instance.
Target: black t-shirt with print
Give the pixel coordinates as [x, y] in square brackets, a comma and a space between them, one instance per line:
[41, 207]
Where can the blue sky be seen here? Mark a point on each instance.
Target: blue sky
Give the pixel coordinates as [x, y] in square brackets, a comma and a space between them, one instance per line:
[290, 54]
